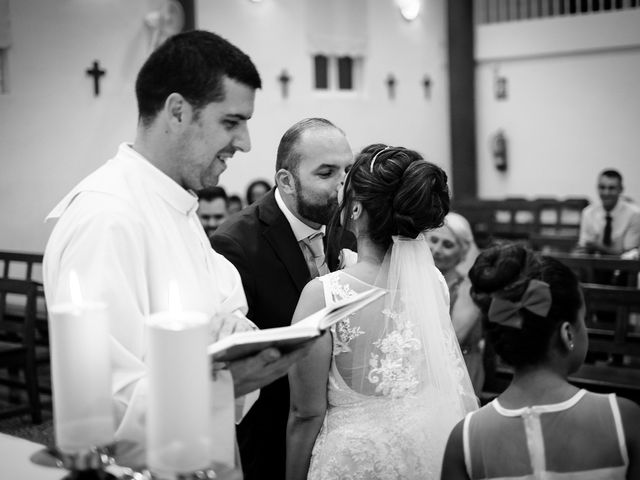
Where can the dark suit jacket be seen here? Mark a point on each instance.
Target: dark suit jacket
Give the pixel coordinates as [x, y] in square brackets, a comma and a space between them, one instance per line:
[260, 243]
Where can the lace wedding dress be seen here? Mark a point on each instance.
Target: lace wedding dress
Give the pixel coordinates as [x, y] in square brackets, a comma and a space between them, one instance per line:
[397, 381]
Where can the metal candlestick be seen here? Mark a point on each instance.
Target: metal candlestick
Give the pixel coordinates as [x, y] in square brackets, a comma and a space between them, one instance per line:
[88, 464]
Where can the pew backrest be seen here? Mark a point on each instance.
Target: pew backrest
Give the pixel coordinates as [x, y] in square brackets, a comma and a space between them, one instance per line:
[589, 268]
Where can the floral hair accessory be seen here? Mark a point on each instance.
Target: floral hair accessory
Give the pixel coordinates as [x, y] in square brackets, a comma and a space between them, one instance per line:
[536, 298]
[375, 157]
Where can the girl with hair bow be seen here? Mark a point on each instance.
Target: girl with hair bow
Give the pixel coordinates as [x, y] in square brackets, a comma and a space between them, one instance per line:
[541, 426]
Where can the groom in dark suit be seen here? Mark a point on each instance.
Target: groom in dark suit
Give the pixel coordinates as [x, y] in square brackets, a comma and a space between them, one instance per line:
[269, 243]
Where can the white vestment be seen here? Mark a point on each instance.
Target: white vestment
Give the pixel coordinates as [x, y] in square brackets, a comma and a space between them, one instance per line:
[128, 230]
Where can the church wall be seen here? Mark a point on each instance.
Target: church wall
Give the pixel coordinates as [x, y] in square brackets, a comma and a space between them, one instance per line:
[53, 131]
[274, 34]
[572, 106]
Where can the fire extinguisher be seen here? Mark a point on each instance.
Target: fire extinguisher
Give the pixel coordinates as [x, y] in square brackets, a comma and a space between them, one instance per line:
[499, 150]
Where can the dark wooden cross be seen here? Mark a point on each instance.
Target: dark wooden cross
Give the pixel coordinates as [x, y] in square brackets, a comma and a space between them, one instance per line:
[391, 86]
[426, 83]
[96, 72]
[284, 80]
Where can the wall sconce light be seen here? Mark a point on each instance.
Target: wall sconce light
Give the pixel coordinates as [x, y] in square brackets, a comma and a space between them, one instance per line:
[426, 83]
[409, 9]
[391, 86]
[284, 80]
[500, 85]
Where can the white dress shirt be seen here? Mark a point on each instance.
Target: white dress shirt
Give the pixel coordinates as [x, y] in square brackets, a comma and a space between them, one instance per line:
[625, 225]
[128, 230]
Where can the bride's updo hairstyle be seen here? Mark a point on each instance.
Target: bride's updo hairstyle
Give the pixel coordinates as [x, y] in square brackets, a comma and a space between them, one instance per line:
[402, 193]
[516, 274]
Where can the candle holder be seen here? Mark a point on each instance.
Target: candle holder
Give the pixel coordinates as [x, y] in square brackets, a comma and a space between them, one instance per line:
[88, 464]
[204, 474]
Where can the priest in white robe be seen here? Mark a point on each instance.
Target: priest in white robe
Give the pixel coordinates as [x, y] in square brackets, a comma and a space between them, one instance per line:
[130, 229]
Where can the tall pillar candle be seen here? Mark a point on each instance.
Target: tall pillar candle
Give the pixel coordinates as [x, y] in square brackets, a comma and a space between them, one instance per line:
[81, 376]
[178, 426]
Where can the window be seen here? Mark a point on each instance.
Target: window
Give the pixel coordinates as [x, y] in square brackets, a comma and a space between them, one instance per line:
[334, 73]
[321, 64]
[345, 73]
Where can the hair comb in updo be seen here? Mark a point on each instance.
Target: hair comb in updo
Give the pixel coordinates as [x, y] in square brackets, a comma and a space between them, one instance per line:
[536, 298]
[375, 157]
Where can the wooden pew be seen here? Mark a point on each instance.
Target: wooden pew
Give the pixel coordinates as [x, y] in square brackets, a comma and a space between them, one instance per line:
[548, 244]
[28, 266]
[521, 218]
[588, 266]
[25, 266]
[619, 340]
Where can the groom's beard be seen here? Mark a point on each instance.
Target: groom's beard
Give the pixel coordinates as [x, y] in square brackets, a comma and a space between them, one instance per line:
[316, 212]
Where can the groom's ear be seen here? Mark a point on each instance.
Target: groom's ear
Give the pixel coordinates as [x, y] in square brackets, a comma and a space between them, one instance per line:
[285, 182]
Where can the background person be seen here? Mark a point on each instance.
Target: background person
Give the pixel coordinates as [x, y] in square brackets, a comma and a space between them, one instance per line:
[270, 243]
[377, 397]
[454, 251]
[612, 226]
[130, 229]
[256, 190]
[213, 207]
[541, 426]
[234, 204]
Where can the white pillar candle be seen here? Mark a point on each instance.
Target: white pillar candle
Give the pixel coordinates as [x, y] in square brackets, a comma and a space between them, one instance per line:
[178, 426]
[81, 376]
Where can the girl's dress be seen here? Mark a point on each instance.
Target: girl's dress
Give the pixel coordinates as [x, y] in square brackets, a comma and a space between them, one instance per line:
[581, 438]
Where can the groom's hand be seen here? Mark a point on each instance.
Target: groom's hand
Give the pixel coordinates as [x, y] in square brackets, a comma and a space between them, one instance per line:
[257, 371]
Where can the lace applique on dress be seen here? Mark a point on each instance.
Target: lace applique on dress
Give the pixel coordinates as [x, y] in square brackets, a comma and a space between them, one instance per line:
[394, 373]
[343, 331]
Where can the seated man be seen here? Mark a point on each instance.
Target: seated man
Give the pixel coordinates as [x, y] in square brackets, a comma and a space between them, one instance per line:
[611, 227]
[212, 208]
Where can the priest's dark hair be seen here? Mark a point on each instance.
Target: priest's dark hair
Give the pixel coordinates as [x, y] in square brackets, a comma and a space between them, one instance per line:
[192, 64]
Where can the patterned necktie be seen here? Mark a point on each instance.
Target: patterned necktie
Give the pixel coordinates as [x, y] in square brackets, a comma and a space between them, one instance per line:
[606, 237]
[315, 258]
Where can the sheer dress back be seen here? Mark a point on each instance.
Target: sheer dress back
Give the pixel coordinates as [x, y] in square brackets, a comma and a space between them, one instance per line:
[581, 438]
[384, 419]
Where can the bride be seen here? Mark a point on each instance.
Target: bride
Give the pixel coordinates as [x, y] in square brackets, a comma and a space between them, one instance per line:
[377, 397]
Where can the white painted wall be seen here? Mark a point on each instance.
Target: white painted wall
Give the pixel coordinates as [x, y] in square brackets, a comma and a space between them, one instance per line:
[53, 131]
[273, 33]
[573, 104]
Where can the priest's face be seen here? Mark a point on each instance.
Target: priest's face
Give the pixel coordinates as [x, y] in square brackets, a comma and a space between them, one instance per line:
[212, 137]
[325, 157]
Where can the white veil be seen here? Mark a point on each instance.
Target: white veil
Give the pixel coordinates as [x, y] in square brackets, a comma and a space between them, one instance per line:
[404, 345]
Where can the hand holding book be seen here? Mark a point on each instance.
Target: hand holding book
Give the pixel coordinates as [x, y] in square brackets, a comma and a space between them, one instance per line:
[242, 344]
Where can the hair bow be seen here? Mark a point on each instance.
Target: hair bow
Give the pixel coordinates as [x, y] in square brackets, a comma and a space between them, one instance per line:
[536, 298]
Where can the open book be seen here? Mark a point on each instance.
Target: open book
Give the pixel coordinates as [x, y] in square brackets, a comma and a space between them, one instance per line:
[286, 339]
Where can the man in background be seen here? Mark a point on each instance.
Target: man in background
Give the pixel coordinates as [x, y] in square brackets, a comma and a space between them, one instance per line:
[276, 245]
[130, 230]
[234, 204]
[213, 206]
[611, 227]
